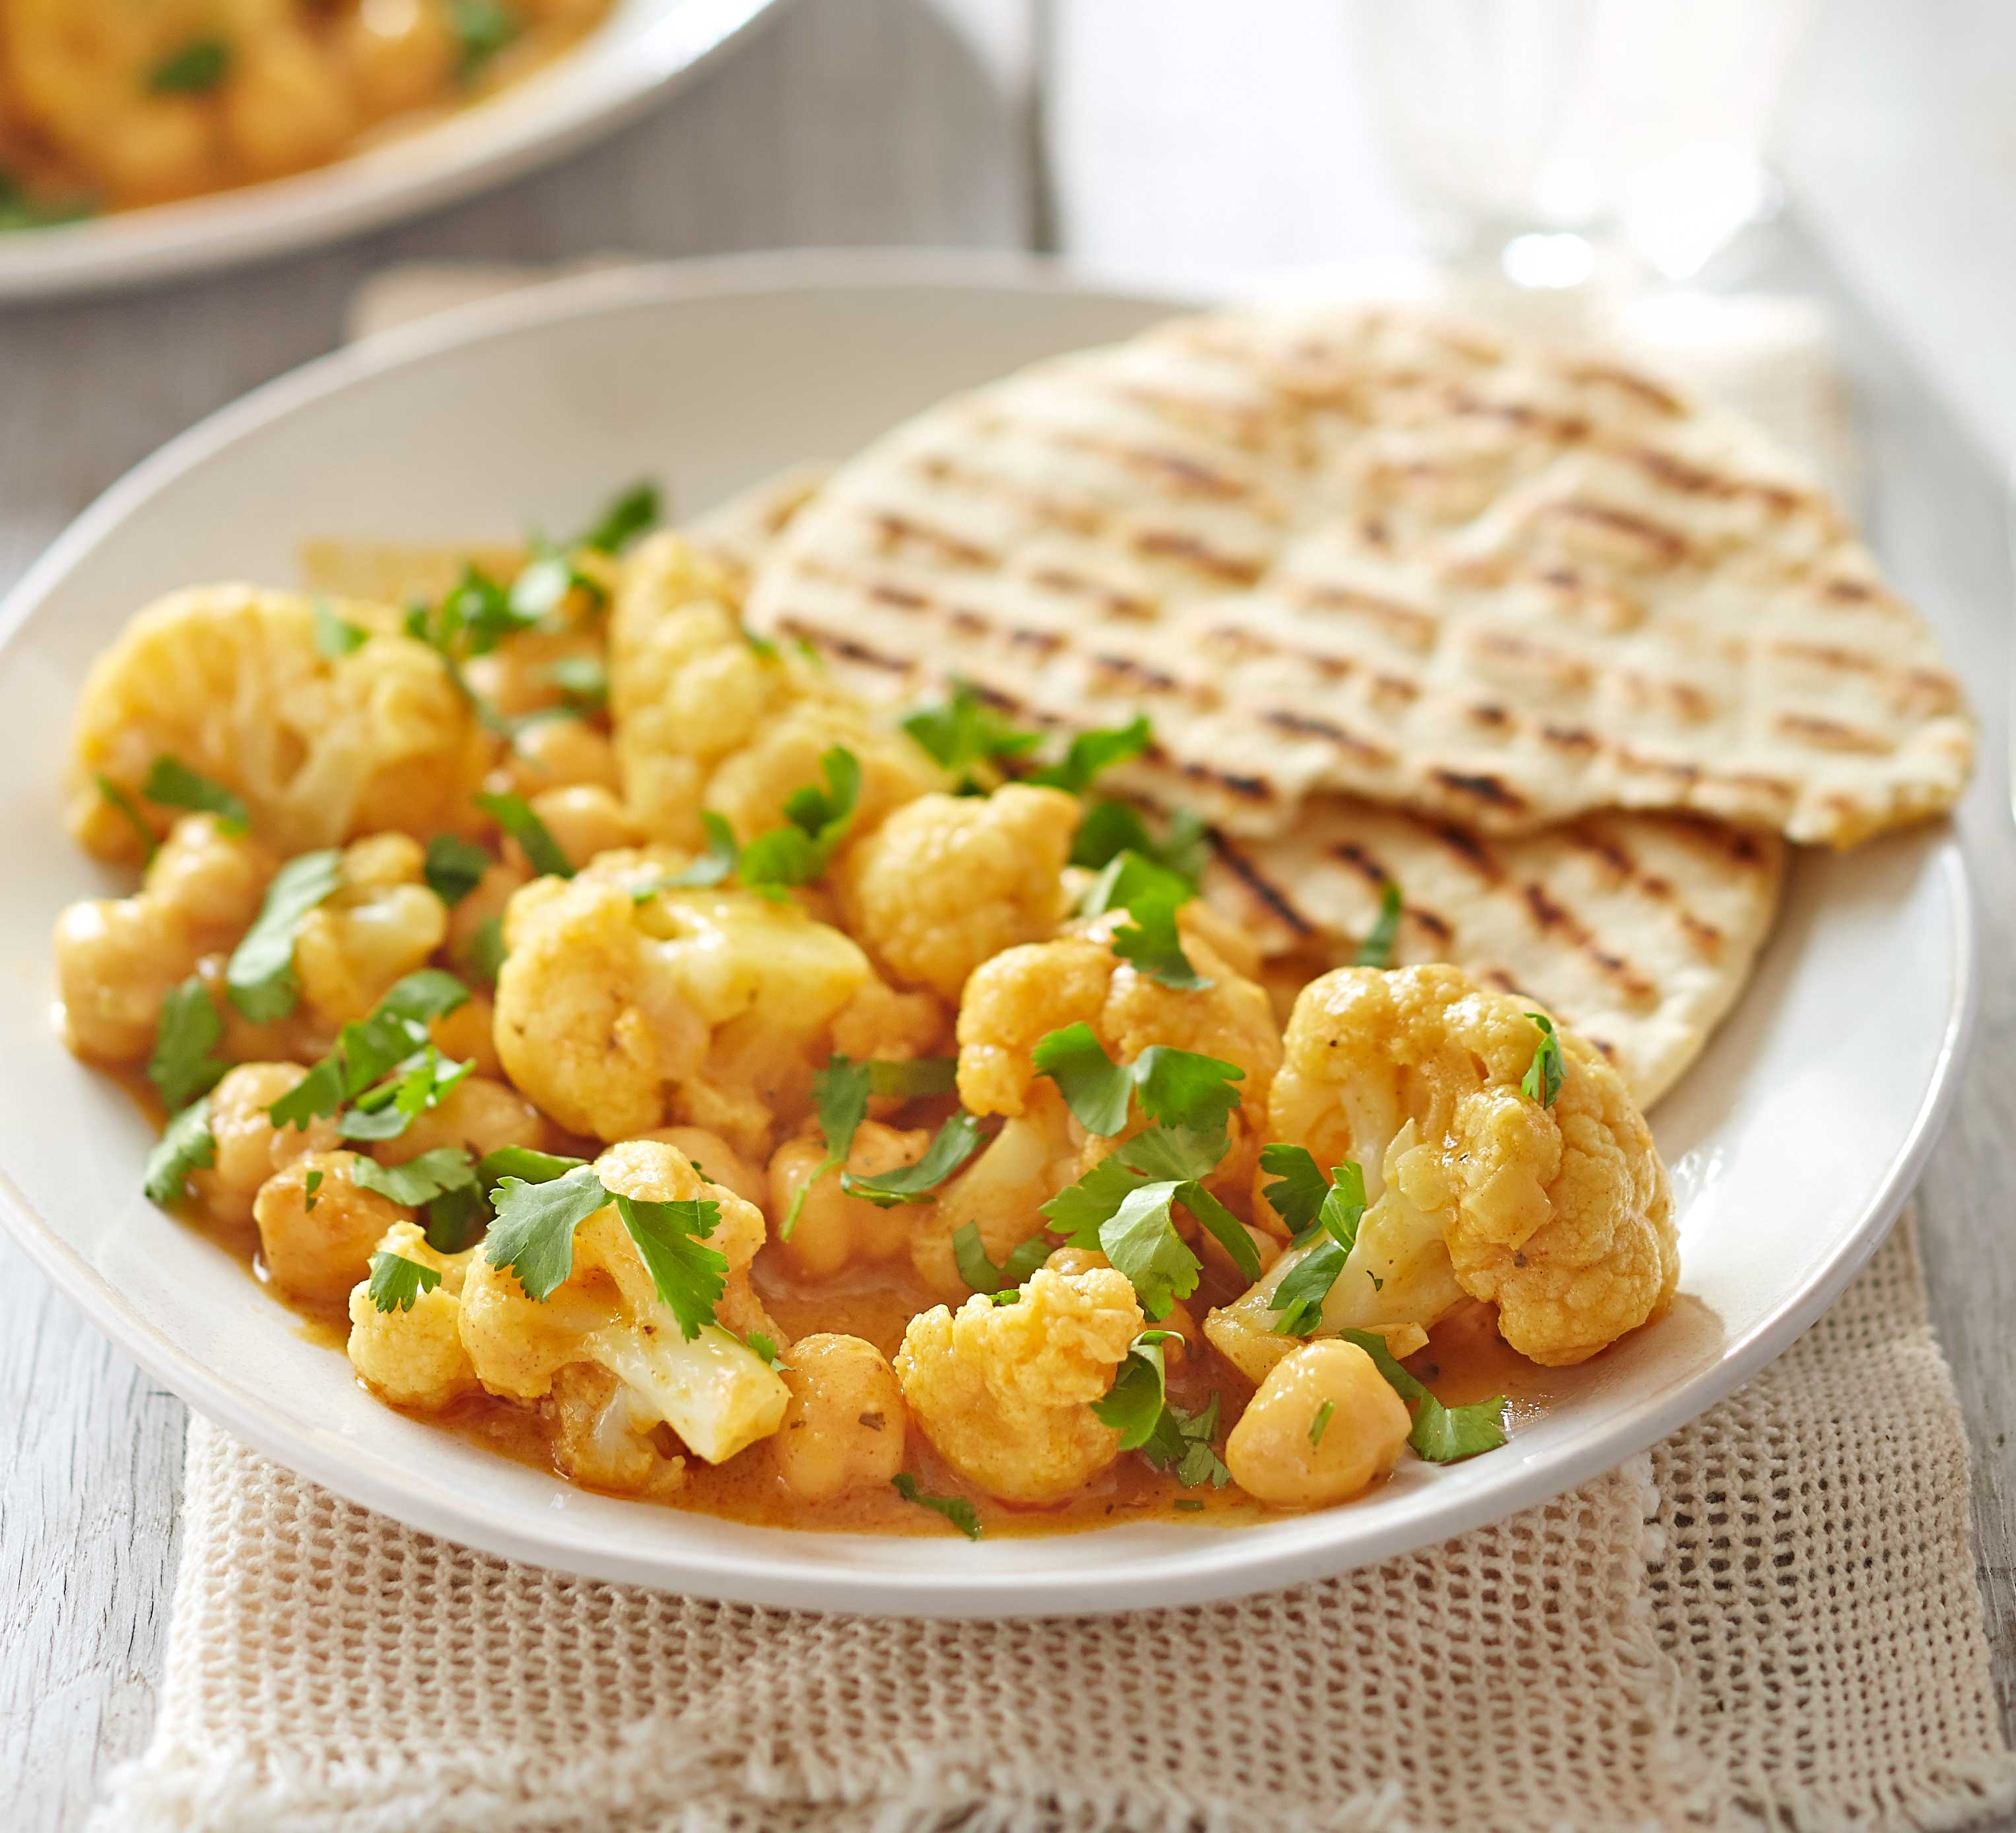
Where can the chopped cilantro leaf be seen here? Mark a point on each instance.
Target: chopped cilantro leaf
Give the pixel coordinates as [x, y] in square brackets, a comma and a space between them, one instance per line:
[384, 1112]
[1544, 1076]
[969, 1254]
[764, 648]
[482, 28]
[1133, 1405]
[1092, 752]
[1300, 1296]
[1377, 950]
[955, 1509]
[1151, 894]
[514, 815]
[534, 1232]
[956, 1142]
[840, 1100]
[915, 1076]
[420, 1180]
[966, 731]
[1301, 1187]
[182, 1065]
[625, 518]
[1440, 1435]
[524, 1164]
[766, 1352]
[1320, 1423]
[1182, 1441]
[260, 978]
[394, 1036]
[397, 1282]
[1178, 1088]
[455, 867]
[1140, 1239]
[119, 799]
[1188, 1504]
[484, 955]
[320, 1092]
[172, 784]
[185, 1146]
[1108, 829]
[194, 69]
[310, 1185]
[19, 210]
[582, 679]
[336, 637]
[711, 867]
[454, 1217]
[815, 821]
[1097, 1090]
[690, 1277]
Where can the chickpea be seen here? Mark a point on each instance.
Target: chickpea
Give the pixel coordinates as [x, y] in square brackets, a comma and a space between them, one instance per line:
[477, 1113]
[212, 880]
[719, 1162]
[249, 1147]
[844, 1426]
[379, 923]
[561, 753]
[1281, 1454]
[833, 1228]
[584, 821]
[465, 1034]
[493, 891]
[318, 1244]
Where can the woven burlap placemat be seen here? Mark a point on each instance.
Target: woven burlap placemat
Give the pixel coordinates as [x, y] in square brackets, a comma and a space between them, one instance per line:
[1771, 1622]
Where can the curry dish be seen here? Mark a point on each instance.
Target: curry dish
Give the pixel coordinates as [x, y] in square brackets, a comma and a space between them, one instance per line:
[108, 104]
[649, 1060]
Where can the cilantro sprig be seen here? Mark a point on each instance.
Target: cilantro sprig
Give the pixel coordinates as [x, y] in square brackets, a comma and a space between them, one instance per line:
[1325, 1214]
[455, 867]
[518, 819]
[977, 1267]
[260, 978]
[1092, 752]
[1108, 829]
[1440, 1435]
[1182, 1441]
[966, 734]
[172, 784]
[1151, 894]
[392, 1042]
[1132, 1406]
[1180, 1087]
[121, 801]
[194, 68]
[626, 516]
[187, 1145]
[1544, 1076]
[335, 635]
[397, 1282]
[955, 1509]
[841, 1094]
[954, 1143]
[184, 1064]
[816, 820]
[717, 863]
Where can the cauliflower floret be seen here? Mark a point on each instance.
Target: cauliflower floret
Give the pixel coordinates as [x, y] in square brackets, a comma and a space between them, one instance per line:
[117, 958]
[379, 923]
[250, 1149]
[702, 720]
[229, 680]
[1005, 1392]
[714, 1391]
[703, 1006]
[834, 1229]
[843, 1428]
[1562, 1216]
[317, 1243]
[415, 1357]
[948, 882]
[1324, 1424]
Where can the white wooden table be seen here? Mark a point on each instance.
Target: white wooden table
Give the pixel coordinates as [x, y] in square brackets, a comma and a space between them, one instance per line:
[855, 121]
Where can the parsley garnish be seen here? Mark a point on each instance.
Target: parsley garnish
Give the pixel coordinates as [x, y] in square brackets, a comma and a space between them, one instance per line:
[482, 28]
[711, 867]
[1320, 1423]
[1182, 1441]
[514, 815]
[1133, 1405]
[394, 1037]
[1440, 1435]
[183, 1066]
[194, 69]
[626, 517]
[815, 821]
[1151, 894]
[955, 1509]
[1331, 1223]
[965, 731]
[455, 867]
[1109, 828]
[172, 784]
[484, 955]
[119, 799]
[1179, 1087]
[953, 1144]
[187, 1145]
[1092, 752]
[968, 1253]
[397, 1282]
[1544, 1076]
[1377, 950]
[260, 979]
[336, 637]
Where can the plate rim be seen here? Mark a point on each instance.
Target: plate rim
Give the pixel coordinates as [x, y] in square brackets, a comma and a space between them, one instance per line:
[1210, 1570]
[350, 195]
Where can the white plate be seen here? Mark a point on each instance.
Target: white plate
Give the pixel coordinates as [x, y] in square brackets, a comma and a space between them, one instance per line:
[644, 47]
[1793, 1142]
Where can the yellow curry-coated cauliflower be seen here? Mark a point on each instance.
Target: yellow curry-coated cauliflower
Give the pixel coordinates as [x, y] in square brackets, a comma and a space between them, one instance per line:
[414, 1357]
[706, 1006]
[1005, 1392]
[1561, 1216]
[229, 680]
[117, 958]
[948, 882]
[379, 923]
[703, 720]
[608, 1356]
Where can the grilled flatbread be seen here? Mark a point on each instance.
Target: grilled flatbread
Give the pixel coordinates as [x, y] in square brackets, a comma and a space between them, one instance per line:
[1636, 930]
[1371, 552]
